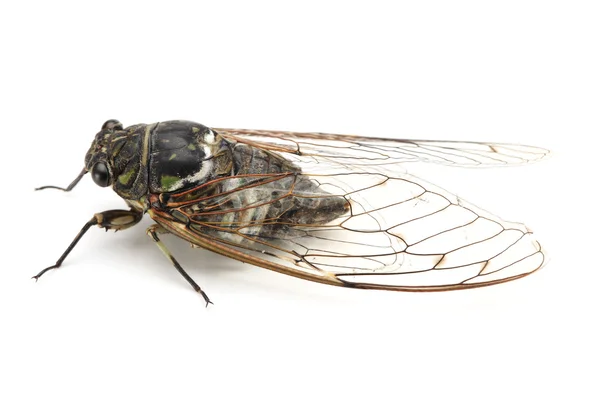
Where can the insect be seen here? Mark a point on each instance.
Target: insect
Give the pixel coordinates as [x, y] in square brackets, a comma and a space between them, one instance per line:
[334, 209]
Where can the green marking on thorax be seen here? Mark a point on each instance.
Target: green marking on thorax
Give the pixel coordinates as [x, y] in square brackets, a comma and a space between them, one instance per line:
[172, 156]
[195, 129]
[191, 146]
[126, 177]
[166, 181]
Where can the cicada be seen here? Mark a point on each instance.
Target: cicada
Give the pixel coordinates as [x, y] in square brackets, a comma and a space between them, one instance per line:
[335, 209]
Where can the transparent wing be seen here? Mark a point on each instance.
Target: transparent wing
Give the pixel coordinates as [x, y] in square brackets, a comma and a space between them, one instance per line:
[398, 232]
[380, 151]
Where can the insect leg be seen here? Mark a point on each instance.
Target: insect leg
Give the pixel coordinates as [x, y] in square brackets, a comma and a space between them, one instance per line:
[111, 219]
[153, 232]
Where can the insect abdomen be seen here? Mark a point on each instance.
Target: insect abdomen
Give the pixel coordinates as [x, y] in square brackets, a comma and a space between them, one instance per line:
[293, 199]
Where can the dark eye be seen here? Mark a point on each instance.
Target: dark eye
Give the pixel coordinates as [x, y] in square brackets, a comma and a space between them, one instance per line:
[112, 124]
[100, 174]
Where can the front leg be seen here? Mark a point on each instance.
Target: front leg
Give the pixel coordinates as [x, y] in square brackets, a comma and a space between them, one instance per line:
[111, 219]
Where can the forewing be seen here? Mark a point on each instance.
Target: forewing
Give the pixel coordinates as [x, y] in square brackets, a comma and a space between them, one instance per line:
[361, 150]
[399, 232]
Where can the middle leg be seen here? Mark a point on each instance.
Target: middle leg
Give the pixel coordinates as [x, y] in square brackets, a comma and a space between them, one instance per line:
[153, 232]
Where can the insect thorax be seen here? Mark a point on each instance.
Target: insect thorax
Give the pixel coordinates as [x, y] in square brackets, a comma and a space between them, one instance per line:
[156, 158]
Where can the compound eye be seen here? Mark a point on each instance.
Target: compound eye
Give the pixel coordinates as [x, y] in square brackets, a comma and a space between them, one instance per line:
[100, 174]
[112, 124]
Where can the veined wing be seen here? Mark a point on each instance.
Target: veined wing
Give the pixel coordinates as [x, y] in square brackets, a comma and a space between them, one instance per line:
[398, 232]
[361, 150]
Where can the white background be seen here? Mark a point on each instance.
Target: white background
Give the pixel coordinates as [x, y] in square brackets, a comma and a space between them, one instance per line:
[117, 321]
